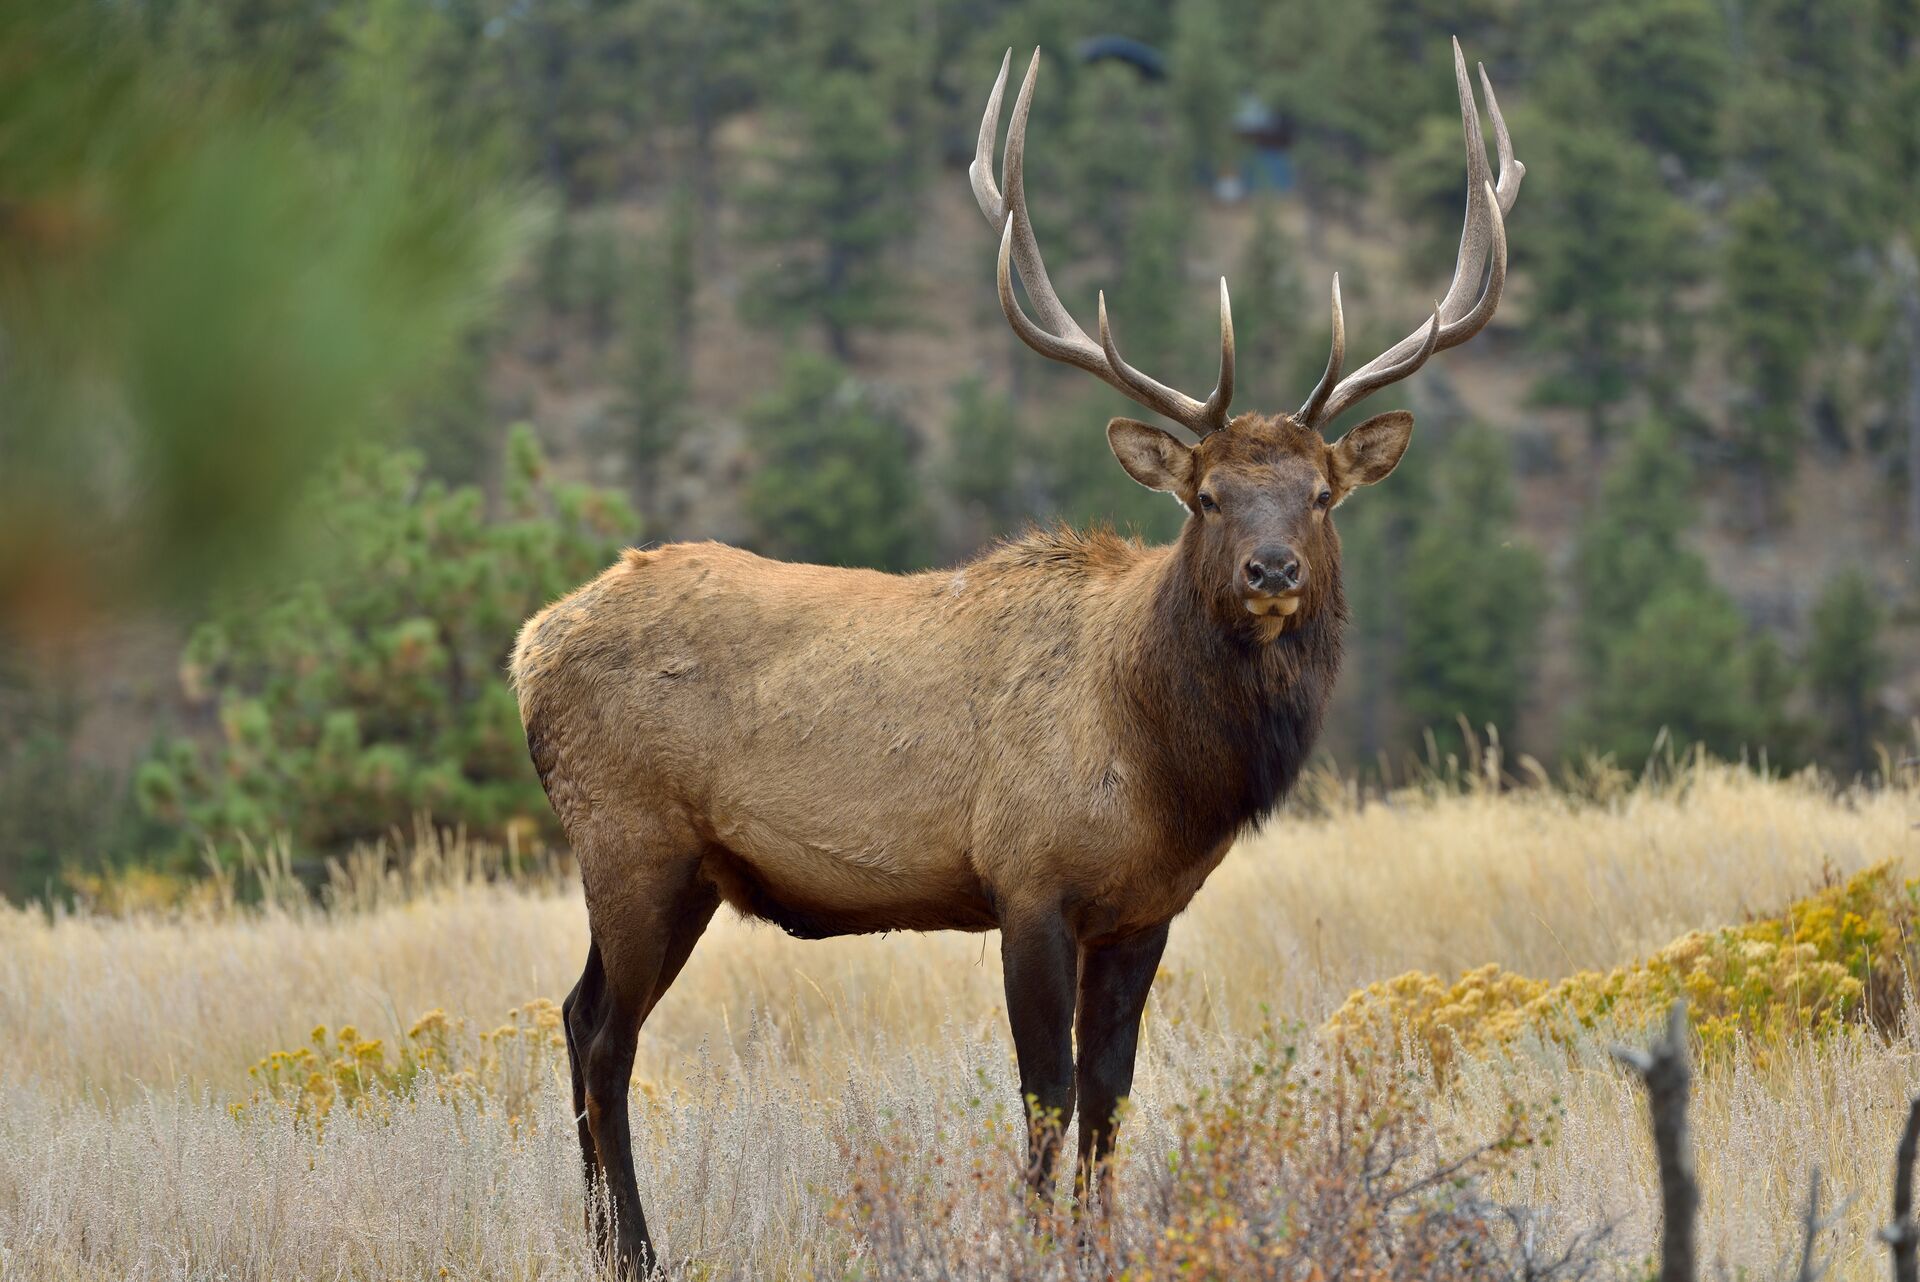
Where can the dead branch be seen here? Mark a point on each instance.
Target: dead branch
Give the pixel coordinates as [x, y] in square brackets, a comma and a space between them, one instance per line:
[1813, 1224]
[1664, 1069]
[1903, 1235]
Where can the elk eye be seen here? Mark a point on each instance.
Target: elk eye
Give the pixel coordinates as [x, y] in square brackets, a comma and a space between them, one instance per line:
[1324, 498]
[1207, 504]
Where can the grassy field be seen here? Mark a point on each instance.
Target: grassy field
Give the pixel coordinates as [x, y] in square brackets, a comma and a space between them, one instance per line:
[128, 1148]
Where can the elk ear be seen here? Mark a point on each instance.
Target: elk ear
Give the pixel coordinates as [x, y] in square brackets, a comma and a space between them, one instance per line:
[1152, 457]
[1370, 451]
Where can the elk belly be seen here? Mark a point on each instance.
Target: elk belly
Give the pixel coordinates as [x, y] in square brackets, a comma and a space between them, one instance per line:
[818, 887]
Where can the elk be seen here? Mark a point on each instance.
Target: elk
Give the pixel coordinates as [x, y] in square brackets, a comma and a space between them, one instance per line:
[1059, 739]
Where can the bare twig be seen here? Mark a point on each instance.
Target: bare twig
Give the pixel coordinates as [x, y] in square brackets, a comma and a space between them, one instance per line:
[1903, 1235]
[1810, 1223]
[1813, 1224]
[1663, 1067]
[1576, 1259]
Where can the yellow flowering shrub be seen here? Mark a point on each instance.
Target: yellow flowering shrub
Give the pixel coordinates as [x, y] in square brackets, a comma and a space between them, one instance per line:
[139, 888]
[1837, 957]
[502, 1067]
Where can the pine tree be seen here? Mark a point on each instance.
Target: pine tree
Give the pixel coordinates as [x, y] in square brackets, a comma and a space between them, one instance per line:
[1846, 666]
[1083, 484]
[1609, 251]
[240, 287]
[369, 691]
[1660, 645]
[1656, 71]
[1903, 347]
[1206, 76]
[983, 455]
[1325, 61]
[658, 343]
[1108, 157]
[1378, 529]
[1474, 597]
[833, 480]
[1272, 317]
[1683, 663]
[1769, 287]
[1631, 542]
[1153, 308]
[835, 202]
[703, 61]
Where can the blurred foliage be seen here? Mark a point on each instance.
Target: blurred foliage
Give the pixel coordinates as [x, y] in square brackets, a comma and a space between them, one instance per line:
[371, 690]
[1834, 961]
[1609, 255]
[201, 292]
[1377, 527]
[57, 808]
[1277, 321]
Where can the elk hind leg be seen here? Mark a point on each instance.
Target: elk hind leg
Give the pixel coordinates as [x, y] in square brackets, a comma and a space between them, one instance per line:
[580, 1016]
[646, 913]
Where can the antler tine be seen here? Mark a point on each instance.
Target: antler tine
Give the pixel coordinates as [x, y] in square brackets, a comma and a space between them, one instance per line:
[980, 172]
[1474, 238]
[1336, 357]
[1222, 395]
[1367, 380]
[1082, 354]
[1482, 238]
[1201, 418]
[1026, 247]
[1511, 170]
[1056, 335]
[1465, 327]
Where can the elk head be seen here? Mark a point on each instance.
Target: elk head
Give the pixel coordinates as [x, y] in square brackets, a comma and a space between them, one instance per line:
[1259, 489]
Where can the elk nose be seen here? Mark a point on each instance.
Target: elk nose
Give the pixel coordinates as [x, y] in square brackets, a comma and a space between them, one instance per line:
[1271, 571]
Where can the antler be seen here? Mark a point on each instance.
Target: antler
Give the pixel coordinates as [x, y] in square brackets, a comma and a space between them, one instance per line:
[1062, 339]
[1455, 319]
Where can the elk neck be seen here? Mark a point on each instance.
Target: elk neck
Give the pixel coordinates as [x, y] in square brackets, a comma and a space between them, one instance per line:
[1219, 721]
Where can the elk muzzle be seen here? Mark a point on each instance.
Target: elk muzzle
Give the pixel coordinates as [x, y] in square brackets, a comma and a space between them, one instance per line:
[1272, 580]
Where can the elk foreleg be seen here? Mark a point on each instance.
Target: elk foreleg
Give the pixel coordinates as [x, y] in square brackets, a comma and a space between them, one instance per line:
[1039, 957]
[1113, 993]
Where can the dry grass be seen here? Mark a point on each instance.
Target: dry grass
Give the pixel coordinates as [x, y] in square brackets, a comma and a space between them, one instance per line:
[123, 1039]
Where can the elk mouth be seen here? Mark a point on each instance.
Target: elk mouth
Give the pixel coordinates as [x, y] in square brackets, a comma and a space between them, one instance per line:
[1274, 607]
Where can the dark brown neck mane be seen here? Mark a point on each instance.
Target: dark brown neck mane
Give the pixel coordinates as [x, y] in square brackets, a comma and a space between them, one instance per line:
[1223, 723]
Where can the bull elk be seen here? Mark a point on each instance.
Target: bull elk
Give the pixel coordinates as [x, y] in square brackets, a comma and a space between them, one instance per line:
[1059, 739]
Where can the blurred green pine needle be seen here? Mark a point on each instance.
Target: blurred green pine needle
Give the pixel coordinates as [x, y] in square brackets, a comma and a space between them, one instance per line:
[205, 287]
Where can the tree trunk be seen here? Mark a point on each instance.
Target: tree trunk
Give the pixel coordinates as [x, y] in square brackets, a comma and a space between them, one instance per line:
[834, 284]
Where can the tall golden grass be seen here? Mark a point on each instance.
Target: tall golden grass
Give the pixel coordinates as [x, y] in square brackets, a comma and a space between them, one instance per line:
[125, 1038]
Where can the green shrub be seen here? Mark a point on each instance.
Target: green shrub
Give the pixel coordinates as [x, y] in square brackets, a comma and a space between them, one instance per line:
[373, 690]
